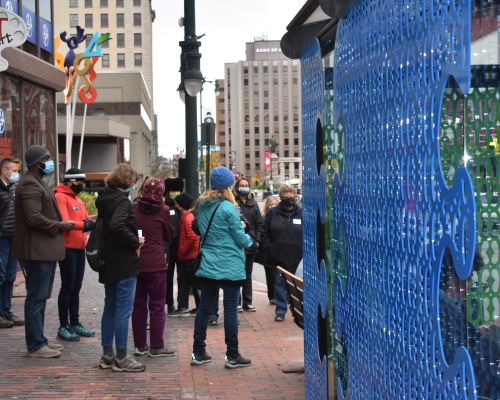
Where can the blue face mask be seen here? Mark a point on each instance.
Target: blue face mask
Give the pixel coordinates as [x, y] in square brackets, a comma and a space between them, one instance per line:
[48, 167]
[14, 178]
[244, 191]
[131, 190]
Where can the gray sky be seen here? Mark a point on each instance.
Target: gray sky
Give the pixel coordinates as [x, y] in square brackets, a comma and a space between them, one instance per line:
[227, 25]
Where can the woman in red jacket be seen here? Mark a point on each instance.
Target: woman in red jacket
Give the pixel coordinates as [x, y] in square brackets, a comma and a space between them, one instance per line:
[72, 268]
[153, 219]
[189, 243]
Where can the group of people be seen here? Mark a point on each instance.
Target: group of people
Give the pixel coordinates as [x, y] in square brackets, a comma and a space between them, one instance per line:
[144, 242]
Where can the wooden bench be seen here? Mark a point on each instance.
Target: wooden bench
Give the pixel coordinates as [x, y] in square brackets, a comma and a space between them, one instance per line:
[294, 287]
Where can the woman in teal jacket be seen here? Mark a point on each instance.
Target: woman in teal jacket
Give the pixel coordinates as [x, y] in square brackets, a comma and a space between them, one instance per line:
[222, 265]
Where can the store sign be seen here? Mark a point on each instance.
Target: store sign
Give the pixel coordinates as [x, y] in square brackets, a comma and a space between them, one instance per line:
[13, 33]
[11, 5]
[46, 35]
[269, 50]
[30, 19]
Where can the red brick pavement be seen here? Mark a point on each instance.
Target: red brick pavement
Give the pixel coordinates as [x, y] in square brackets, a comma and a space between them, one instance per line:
[270, 345]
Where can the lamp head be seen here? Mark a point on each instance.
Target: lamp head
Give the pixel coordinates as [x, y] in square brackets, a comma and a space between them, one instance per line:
[193, 80]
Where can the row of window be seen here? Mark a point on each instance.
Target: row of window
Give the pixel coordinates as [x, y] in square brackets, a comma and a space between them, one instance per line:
[265, 69]
[121, 60]
[276, 129]
[284, 81]
[89, 20]
[266, 142]
[276, 117]
[295, 93]
[246, 106]
[120, 40]
[104, 3]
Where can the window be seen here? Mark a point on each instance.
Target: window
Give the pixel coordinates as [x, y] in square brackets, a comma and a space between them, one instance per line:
[119, 3]
[255, 105]
[88, 38]
[266, 93]
[295, 68]
[247, 155]
[275, 81]
[266, 117]
[285, 92]
[99, 112]
[245, 82]
[255, 94]
[285, 68]
[221, 100]
[120, 40]
[256, 80]
[275, 69]
[223, 123]
[256, 70]
[296, 141]
[286, 142]
[137, 19]
[266, 129]
[73, 20]
[73, 3]
[222, 111]
[88, 3]
[257, 154]
[88, 21]
[265, 69]
[287, 153]
[285, 81]
[256, 142]
[296, 129]
[295, 117]
[104, 3]
[294, 80]
[121, 60]
[286, 128]
[120, 20]
[105, 45]
[137, 2]
[137, 39]
[245, 94]
[276, 117]
[138, 59]
[256, 118]
[105, 60]
[266, 106]
[247, 131]
[247, 106]
[247, 118]
[285, 117]
[222, 133]
[296, 165]
[104, 20]
[256, 129]
[245, 70]
[266, 81]
[295, 105]
[257, 166]
[276, 129]
[247, 142]
[296, 154]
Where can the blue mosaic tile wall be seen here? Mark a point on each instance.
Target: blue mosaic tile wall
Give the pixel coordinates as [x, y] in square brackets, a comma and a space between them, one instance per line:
[392, 212]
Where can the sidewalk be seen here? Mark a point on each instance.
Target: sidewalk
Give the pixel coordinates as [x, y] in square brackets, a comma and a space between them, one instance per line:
[270, 345]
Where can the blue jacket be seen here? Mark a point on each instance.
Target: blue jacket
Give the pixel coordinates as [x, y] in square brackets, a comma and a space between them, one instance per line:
[223, 257]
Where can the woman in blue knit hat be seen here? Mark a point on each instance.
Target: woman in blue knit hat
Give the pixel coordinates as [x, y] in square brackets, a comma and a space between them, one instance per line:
[222, 265]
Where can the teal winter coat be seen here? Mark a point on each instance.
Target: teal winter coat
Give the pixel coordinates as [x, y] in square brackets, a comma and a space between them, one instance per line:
[223, 255]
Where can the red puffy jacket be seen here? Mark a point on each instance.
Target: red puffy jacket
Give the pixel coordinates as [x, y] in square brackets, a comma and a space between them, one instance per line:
[189, 242]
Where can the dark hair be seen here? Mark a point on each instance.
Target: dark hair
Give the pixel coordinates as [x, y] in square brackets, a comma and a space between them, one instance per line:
[123, 176]
[237, 185]
[448, 269]
[5, 162]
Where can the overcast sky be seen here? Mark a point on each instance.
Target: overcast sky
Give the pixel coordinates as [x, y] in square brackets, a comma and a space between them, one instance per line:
[227, 25]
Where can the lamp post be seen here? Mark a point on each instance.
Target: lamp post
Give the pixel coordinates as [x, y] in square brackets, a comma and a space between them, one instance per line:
[191, 81]
[272, 149]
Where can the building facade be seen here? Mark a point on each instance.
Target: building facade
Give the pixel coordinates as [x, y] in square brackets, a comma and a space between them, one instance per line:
[262, 102]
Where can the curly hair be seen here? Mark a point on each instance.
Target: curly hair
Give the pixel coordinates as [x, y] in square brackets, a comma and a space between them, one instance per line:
[215, 194]
[123, 176]
[267, 205]
[287, 189]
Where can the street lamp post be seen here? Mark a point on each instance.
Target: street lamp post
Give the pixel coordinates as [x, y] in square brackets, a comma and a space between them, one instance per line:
[272, 148]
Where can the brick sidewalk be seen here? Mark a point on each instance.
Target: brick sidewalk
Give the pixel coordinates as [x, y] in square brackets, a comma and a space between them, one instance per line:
[270, 345]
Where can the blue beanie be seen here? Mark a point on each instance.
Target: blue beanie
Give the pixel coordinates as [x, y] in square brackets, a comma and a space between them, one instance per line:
[221, 178]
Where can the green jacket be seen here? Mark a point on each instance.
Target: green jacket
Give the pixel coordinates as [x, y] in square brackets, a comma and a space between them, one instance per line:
[223, 257]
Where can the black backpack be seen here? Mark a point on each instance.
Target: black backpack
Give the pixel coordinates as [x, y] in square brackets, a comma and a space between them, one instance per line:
[94, 248]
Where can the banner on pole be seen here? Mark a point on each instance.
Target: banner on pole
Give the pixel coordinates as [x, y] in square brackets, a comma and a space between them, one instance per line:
[267, 161]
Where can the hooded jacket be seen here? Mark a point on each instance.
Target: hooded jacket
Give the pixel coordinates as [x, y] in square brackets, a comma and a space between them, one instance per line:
[250, 210]
[72, 209]
[153, 218]
[120, 236]
[223, 257]
[189, 241]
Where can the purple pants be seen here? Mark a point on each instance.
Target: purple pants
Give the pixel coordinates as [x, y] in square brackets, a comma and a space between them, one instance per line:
[152, 285]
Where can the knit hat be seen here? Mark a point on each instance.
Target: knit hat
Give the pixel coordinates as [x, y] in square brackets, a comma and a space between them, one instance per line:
[221, 178]
[174, 185]
[34, 154]
[74, 175]
[154, 186]
[184, 200]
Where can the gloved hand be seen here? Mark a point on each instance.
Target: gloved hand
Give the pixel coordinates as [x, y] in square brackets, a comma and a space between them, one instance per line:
[88, 225]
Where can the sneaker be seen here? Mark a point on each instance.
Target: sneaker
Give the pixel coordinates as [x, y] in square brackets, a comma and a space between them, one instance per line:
[272, 302]
[45, 352]
[106, 362]
[240, 309]
[55, 346]
[192, 312]
[5, 323]
[16, 321]
[170, 309]
[128, 364]
[65, 333]
[249, 308]
[81, 331]
[180, 313]
[237, 362]
[161, 352]
[141, 351]
[212, 321]
[279, 317]
[198, 359]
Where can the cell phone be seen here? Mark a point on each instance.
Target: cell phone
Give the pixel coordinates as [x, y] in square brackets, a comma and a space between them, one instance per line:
[139, 232]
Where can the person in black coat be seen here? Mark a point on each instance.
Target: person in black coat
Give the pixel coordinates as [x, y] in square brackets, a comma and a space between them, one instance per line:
[250, 210]
[282, 242]
[121, 249]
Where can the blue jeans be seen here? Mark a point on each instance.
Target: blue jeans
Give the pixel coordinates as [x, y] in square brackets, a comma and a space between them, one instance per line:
[118, 306]
[279, 293]
[72, 270]
[39, 281]
[8, 272]
[209, 293]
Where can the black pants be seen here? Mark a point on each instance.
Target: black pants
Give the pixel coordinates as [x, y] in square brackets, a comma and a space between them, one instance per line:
[247, 286]
[186, 279]
[72, 269]
[269, 282]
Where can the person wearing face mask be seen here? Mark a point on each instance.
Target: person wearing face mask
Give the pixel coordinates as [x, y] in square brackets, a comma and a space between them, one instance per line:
[250, 210]
[38, 244]
[282, 242]
[72, 268]
[8, 266]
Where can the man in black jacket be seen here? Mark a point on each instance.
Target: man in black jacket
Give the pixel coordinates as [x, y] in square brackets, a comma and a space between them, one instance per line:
[282, 242]
[9, 174]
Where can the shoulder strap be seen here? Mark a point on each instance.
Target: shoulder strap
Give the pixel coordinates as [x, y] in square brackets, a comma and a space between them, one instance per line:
[210, 223]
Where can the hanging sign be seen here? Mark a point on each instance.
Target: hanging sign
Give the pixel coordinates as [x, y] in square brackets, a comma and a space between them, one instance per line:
[13, 33]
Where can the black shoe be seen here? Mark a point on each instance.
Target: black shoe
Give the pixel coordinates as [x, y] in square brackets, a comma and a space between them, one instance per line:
[180, 313]
[249, 308]
[212, 320]
[170, 309]
[193, 312]
[237, 362]
[198, 359]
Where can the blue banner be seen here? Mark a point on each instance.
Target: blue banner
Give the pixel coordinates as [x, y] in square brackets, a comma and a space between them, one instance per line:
[11, 5]
[31, 19]
[46, 35]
